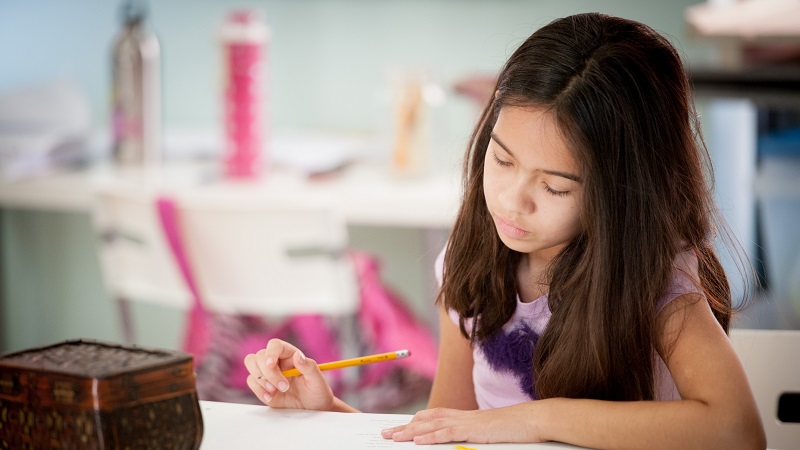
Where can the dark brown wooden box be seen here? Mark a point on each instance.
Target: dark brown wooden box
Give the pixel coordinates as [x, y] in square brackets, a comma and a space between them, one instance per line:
[86, 394]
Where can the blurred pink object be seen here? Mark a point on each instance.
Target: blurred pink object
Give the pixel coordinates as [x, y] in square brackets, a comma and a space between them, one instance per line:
[387, 324]
[478, 88]
[244, 41]
[197, 334]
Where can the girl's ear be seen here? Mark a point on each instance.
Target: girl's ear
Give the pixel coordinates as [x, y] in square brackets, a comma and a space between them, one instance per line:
[496, 93]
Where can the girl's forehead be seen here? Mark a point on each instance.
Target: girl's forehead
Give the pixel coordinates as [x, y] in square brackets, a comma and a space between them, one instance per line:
[532, 133]
[528, 122]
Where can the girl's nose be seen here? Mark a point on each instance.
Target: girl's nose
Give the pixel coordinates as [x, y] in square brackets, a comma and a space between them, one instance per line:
[516, 198]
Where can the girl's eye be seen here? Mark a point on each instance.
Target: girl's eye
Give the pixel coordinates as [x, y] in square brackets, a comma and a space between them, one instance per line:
[552, 191]
[499, 161]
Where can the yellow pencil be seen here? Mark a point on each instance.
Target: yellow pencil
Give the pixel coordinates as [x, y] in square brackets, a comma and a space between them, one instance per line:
[360, 361]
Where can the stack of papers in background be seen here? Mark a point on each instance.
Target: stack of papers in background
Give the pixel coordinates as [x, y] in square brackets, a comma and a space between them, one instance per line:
[308, 152]
[315, 154]
[42, 129]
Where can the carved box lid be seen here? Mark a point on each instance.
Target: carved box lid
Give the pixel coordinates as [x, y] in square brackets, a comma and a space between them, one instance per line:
[92, 358]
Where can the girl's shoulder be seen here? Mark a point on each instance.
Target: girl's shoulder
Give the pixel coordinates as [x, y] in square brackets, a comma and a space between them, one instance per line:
[685, 278]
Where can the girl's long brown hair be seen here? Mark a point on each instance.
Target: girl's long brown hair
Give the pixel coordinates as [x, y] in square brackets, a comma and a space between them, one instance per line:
[620, 95]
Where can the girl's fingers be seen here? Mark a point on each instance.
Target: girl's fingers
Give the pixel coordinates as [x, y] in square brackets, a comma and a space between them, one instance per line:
[271, 360]
[278, 350]
[306, 366]
[251, 365]
[258, 389]
[420, 416]
[427, 427]
[388, 433]
[268, 381]
[399, 433]
[438, 436]
[269, 356]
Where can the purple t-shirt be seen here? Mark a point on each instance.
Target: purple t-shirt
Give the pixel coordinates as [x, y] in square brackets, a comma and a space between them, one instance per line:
[502, 370]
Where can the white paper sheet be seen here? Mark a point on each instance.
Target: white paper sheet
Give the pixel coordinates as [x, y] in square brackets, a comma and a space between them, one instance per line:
[232, 426]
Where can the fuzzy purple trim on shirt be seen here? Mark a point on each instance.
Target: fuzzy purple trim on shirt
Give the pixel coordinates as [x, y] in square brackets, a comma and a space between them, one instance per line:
[513, 352]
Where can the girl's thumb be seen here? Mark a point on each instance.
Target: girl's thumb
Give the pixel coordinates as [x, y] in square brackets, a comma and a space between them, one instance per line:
[306, 366]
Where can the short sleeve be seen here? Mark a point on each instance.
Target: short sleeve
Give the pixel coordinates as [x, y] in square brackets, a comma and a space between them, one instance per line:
[438, 270]
[438, 267]
[685, 278]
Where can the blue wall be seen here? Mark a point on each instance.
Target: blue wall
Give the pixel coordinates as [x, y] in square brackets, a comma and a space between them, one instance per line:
[329, 58]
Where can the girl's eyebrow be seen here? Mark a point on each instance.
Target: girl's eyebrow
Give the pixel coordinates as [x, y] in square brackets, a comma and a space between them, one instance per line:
[566, 175]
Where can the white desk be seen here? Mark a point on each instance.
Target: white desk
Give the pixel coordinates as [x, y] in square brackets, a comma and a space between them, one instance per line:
[373, 202]
[234, 426]
[364, 194]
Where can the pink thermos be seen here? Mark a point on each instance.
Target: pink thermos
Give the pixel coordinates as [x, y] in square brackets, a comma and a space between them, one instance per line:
[245, 40]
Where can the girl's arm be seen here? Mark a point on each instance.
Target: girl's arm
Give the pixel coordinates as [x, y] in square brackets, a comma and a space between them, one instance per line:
[717, 409]
[452, 384]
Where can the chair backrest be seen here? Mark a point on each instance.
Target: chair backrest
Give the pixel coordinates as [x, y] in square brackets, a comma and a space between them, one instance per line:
[246, 256]
[135, 259]
[771, 359]
[277, 260]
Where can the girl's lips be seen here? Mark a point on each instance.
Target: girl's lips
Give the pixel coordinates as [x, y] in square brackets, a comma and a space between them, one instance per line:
[509, 229]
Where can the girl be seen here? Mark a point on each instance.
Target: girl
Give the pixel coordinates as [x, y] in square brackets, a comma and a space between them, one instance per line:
[581, 299]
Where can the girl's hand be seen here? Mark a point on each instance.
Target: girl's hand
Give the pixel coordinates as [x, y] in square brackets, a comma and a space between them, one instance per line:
[442, 425]
[308, 391]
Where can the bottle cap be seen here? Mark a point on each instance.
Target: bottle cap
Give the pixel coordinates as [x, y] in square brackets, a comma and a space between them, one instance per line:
[244, 25]
[133, 11]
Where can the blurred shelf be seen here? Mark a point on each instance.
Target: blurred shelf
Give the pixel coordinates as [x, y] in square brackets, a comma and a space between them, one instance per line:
[767, 86]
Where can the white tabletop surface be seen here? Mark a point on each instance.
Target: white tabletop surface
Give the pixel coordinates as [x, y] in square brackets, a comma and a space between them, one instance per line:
[364, 194]
[235, 426]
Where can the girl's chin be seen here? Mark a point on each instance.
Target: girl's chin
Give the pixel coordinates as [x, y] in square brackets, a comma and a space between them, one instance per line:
[530, 248]
[516, 244]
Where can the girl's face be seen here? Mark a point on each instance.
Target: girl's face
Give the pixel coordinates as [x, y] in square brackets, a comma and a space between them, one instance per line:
[532, 183]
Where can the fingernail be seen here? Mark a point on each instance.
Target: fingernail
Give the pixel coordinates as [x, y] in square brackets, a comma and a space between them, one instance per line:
[386, 433]
[269, 361]
[267, 398]
[302, 358]
[283, 386]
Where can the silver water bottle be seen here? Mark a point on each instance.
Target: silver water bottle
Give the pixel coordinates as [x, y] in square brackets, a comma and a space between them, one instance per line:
[136, 90]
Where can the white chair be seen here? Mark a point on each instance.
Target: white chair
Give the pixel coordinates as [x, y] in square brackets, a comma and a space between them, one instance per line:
[136, 262]
[771, 359]
[246, 256]
[268, 259]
